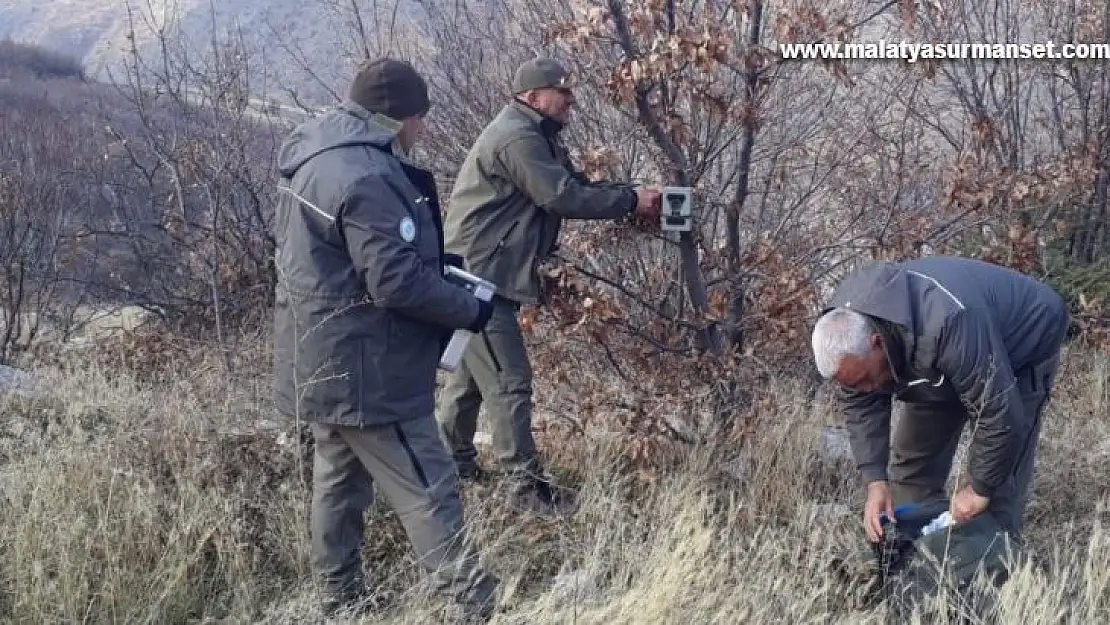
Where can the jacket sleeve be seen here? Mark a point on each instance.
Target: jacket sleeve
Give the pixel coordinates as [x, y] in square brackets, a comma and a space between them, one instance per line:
[395, 276]
[867, 417]
[555, 188]
[971, 355]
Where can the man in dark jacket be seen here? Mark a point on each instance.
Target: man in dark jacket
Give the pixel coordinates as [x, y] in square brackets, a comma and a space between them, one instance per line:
[362, 310]
[514, 189]
[952, 338]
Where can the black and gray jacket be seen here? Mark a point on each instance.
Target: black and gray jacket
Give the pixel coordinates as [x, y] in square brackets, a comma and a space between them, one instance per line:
[361, 307]
[957, 329]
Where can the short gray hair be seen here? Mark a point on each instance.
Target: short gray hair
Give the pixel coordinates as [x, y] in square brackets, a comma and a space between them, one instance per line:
[839, 333]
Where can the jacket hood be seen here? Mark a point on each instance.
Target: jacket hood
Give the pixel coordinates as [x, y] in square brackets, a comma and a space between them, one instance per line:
[346, 125]
[881, 290]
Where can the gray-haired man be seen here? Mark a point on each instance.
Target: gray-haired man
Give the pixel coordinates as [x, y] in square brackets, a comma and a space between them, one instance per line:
[952, 338]
[361, 313]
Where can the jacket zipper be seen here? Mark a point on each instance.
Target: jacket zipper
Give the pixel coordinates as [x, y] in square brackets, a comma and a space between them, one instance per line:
[492, 354]
[504, 237]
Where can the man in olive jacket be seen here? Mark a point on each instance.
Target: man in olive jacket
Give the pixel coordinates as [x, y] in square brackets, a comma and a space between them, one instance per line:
[513, 191]
[953, 339]
[362, 311]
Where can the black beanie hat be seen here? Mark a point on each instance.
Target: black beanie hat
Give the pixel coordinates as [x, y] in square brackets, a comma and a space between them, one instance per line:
[391, 87]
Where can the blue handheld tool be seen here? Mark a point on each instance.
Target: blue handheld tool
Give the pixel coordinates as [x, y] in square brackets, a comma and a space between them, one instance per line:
[912, 517]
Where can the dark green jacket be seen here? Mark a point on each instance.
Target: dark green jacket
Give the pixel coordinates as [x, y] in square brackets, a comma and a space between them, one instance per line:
[361, 305]
[513, 190]
[958, 330]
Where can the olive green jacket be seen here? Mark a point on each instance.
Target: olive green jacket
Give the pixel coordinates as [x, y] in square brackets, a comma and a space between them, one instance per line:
[512, 192]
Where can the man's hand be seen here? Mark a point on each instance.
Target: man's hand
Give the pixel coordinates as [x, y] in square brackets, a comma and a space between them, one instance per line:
[967, 504]
[878, 502]
[648, 203]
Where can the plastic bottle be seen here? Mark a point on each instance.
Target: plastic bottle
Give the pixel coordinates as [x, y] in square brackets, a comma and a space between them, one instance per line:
[942, 521]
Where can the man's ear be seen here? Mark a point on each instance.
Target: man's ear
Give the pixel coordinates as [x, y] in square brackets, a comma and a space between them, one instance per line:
[875, 340]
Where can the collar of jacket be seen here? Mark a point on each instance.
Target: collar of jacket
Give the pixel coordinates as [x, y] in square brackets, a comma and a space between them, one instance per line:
[548, 126]
[384, 127]
[897, 356]
[894, 346]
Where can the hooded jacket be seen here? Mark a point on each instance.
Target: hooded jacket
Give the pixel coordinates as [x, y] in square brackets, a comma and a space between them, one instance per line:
[361, 306]
[513, 191]
[956, 330]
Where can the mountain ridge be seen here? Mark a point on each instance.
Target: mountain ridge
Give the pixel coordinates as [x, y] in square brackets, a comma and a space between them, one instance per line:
[95, 32]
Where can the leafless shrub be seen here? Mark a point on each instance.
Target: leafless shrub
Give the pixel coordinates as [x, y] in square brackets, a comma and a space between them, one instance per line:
[199, 148]
[159, 194]
[43, 191]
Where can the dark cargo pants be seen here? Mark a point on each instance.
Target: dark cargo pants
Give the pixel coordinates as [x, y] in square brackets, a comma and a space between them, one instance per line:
[928, 434]
[495, 371]
[412, 469]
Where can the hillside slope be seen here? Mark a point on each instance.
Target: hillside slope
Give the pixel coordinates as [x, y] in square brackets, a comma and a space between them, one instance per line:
[274, 33]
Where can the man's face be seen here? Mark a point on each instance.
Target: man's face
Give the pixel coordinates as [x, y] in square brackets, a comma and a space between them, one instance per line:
[868, 373]
[411, 129]
[555, 102]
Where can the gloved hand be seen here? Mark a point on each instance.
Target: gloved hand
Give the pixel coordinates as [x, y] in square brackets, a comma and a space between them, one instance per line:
[485, 311]
[454, 260]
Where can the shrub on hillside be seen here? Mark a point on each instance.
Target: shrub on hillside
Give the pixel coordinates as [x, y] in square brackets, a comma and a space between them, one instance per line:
[155, 201]
[1086, 288]
[20, 59]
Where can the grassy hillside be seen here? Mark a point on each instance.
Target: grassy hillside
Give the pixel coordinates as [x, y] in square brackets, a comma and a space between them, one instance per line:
[132, 498]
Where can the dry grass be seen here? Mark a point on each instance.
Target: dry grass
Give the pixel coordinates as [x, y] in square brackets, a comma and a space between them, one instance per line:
[138, 498]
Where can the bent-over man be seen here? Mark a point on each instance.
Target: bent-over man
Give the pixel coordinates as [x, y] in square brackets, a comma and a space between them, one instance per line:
[362, 311]
[952, 338]
[514, 189]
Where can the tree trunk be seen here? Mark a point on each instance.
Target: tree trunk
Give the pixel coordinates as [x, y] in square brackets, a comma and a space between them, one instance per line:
[751, 78]
[709, 338]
